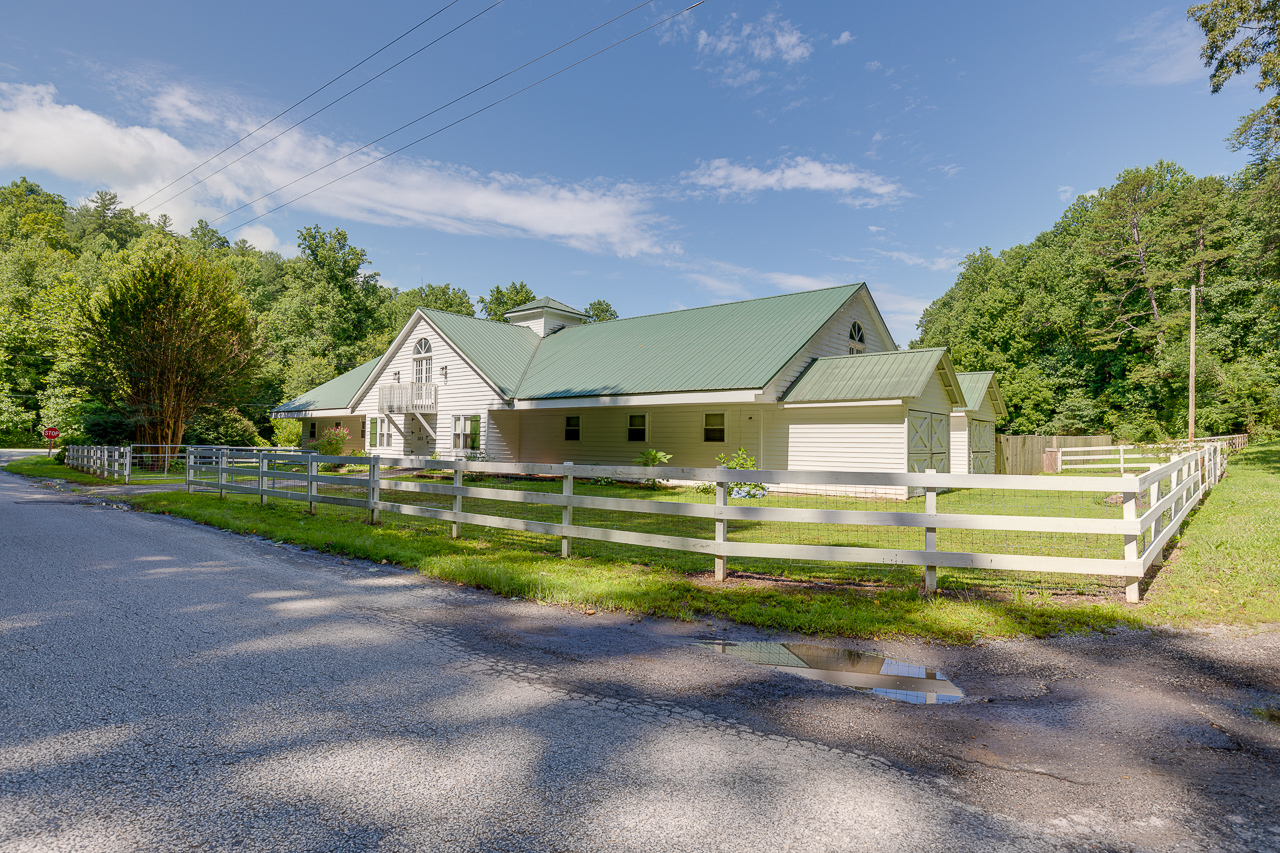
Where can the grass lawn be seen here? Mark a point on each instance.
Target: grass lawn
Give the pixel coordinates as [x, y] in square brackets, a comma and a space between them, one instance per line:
[1226, 568]
[1218, 581]
[44, 467]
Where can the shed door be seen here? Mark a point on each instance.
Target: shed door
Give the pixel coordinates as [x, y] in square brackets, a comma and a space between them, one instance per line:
[919, 441]
[982, 447]
[940, 443]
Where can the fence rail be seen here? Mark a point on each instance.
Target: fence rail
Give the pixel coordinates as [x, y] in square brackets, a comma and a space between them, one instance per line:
[137, 463]
[1152, 506]
[1135, 456]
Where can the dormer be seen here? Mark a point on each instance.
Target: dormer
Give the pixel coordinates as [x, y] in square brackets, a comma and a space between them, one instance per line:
[545, 316]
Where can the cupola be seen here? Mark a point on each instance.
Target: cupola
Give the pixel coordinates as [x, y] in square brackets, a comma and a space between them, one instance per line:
[545, 316]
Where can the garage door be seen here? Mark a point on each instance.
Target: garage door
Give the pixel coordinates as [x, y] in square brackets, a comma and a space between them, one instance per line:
[982, 447]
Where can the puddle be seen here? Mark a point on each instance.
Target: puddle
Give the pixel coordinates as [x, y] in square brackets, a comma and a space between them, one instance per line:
[892, 679]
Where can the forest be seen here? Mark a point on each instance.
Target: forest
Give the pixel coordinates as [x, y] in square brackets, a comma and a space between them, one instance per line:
[1088, 325]
[308, 318]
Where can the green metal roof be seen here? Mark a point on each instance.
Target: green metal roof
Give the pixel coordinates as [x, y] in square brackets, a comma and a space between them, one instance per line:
[545, 302]
[720, 347]
[334, 394]
[870, 376]
[500, 351]
[975, 385]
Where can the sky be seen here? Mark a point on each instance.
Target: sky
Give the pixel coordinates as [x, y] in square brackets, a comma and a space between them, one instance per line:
[741, 149]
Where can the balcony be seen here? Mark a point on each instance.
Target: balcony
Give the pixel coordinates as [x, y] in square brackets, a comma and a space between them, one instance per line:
[407, 397]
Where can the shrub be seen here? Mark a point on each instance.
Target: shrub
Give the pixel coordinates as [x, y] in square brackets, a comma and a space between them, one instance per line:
[330, 443]
[652, 459]
[742, 462]
[221, 427]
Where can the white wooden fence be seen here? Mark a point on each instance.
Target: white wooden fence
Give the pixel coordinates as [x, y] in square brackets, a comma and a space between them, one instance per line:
[142, 462]
[1167, 493]
[106, 462]
[1136, 457]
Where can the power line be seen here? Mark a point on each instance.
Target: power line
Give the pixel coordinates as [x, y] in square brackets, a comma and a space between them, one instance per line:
[468, 116]
[312, 115]
[299, 102]
[427, 115]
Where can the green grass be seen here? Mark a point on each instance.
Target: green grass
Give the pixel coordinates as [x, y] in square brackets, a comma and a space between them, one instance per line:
[1227, 566]
[1228, 555]
[46, 468]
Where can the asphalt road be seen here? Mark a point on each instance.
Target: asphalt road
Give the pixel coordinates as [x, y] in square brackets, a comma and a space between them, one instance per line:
[166, 686]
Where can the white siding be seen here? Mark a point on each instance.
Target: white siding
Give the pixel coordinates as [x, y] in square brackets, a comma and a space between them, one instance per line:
[461, 391]
[960, 443]
[837, 438]
[831, 340]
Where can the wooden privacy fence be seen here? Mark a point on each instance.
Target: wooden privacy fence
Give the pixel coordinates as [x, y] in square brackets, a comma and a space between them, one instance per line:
[1152, 506]
[1025, 454]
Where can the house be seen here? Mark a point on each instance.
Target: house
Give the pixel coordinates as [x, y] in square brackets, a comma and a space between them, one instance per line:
[973, 424]
[810, 380]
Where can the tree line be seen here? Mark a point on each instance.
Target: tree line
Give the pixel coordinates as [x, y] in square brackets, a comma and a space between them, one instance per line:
[114, 328]
[1088, 325]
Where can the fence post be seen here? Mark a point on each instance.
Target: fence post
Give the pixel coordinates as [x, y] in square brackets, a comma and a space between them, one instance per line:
[722, 499]
[1122, 460]
[222, 472]
[128, 463]
[312, 468]
[262, 478]
[566, 513]
[190, 473]
[374, 492]
[1157, 525]
[931, 535]
[1131, 591]
[457, 500]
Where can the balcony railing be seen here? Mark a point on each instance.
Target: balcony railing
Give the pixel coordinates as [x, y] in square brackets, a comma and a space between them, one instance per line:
[407, 397]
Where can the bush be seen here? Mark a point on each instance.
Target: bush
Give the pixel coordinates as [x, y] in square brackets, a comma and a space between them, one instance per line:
[652, 459]
[742, 462]
[330, 443]
[221, 427]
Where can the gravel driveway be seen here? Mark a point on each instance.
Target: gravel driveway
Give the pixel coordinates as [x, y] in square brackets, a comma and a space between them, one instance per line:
[167, 686]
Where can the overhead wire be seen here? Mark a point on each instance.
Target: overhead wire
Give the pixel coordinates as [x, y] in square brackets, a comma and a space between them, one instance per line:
[470, 115]
[427, 115]
[301, 101]
[341, 97]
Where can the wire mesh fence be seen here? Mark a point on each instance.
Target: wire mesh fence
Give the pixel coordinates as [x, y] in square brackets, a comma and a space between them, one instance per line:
[849, 531]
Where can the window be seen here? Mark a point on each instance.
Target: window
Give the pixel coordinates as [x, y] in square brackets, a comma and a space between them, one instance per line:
[857, 339]
[312, 434]
[466, 432]
[637, 427]
[422, 366]
[572, 427]
[373, 432]
[362, 429]
[713, 426]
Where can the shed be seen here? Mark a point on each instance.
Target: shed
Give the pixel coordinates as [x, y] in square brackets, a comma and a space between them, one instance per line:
[973, 424]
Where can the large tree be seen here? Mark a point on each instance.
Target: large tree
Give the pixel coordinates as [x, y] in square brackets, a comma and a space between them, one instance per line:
[1242, 36]
[502, 299]
[168, 334]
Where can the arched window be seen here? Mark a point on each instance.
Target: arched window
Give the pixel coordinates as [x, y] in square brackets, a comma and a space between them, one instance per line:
[857, 339]
[422, 361]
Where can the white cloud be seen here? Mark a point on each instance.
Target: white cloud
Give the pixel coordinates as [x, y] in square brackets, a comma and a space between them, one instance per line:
[845, 38]
[950, 170]
[944, 262]
[735, 50]
[856, 186]
[873, 65]
[875, 229]
[1159, 50]
[1066, 193]
[719, 286]
[37, 132]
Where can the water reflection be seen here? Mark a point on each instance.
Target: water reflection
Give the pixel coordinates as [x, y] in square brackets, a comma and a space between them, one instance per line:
[892, 679]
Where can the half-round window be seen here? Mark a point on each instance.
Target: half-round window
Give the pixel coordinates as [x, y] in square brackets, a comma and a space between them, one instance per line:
[857, 339]
[422, 347]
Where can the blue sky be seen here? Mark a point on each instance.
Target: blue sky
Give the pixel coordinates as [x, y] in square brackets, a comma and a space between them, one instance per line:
[744, 149]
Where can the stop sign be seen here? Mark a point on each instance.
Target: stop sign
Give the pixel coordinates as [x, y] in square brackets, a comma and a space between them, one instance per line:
[51, 433]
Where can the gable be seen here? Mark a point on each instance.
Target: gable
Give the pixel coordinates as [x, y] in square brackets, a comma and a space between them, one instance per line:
[898, 375]
[982, 395]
